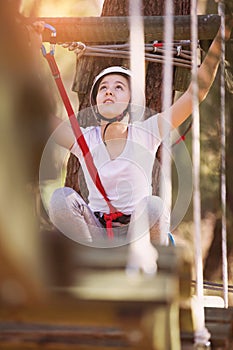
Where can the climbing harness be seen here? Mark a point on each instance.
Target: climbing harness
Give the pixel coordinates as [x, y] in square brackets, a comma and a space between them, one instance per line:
[76, 128]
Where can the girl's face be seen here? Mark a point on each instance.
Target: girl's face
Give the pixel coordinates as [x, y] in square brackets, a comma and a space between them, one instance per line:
[113, 95]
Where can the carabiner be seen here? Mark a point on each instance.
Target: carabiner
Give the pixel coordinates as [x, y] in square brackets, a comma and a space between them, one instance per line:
[52, 44]
[51, 28]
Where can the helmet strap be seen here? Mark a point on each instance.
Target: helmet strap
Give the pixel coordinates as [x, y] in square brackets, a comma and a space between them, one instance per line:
[110, 121]
[105, 129]
[118, 118]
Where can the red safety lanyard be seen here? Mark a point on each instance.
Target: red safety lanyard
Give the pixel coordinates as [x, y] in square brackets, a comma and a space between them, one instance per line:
[82, 142]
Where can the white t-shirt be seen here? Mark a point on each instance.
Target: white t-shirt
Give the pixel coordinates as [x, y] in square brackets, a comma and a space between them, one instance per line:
[126, 179]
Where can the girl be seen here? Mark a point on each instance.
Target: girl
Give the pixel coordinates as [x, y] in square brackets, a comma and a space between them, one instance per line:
[123, 153]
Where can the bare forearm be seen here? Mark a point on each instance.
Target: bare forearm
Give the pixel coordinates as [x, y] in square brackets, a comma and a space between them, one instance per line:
[208, 69]
[62, 132]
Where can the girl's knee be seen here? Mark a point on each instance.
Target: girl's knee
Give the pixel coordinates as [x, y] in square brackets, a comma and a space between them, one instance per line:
[59, 196]
[65, 199]
[159, 217]
[157, 206]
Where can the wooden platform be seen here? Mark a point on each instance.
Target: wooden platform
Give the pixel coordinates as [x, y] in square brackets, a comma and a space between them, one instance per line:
[113, 312]
[105, 308]
[108, 309]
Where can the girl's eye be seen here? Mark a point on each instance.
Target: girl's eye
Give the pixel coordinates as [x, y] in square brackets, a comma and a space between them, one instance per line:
[102, 87]
[119, 87]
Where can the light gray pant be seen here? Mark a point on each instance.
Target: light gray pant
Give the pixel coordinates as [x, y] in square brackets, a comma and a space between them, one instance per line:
[73, 217]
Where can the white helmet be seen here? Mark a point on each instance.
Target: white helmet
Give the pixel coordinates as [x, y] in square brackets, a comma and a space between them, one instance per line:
[137, 111]
[110, 70]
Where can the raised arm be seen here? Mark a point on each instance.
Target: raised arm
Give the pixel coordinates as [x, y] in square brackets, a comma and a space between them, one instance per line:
[206, 74]
[62, 132]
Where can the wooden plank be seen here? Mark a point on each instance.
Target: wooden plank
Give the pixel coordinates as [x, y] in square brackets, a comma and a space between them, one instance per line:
[116, 29]
[119, 286]
[218, 321]
[58, 335]
[221, 315]
[221, 335]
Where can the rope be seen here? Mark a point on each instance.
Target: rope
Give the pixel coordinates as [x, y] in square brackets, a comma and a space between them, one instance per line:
[166, 169]
[154, 52]
[221, 9]
[196, 156]
[214, 286]
[201, 336]
[137, 58]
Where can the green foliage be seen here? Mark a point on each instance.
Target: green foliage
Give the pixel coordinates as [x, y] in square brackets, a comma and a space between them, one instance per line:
[210, 148]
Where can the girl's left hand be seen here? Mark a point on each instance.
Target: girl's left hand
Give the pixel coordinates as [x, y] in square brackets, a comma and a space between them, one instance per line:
[228, 19]
[35, 32]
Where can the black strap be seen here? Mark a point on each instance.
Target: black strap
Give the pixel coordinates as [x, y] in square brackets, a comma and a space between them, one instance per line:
[105, 129]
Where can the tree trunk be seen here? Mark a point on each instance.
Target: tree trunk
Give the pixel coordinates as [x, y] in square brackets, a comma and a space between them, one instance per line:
[88, 68]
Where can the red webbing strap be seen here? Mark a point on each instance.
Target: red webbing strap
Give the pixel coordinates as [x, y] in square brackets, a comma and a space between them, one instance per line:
[108, 219]
[77, 131]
